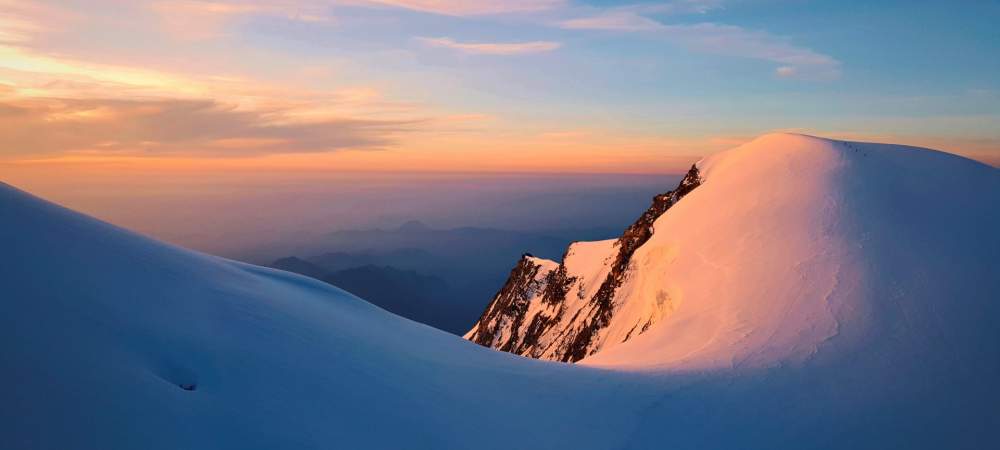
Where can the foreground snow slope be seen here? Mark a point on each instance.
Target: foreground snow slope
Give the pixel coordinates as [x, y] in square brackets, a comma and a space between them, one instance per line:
[825, 295]
[102, 330]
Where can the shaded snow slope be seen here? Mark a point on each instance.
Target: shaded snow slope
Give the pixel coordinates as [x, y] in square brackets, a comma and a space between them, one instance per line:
[103, 331]
[825, 295]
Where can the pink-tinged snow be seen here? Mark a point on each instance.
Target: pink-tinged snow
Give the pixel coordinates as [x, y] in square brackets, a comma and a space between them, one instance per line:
[821, 295]
[797, 247]
[588, 264]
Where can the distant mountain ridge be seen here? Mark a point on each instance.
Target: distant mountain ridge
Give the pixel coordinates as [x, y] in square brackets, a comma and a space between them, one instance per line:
[423, 298]
[459, 268]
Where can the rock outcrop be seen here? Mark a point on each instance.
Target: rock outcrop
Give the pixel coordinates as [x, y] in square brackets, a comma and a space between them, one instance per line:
[563, 311]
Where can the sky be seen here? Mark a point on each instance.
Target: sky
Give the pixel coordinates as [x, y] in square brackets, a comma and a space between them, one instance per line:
[120, 99]
[475, 85]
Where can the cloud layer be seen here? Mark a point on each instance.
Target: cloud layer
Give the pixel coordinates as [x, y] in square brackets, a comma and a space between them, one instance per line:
[176, 127]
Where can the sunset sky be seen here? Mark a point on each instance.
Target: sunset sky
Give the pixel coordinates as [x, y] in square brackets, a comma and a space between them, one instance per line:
[219, 125]
[447, 85]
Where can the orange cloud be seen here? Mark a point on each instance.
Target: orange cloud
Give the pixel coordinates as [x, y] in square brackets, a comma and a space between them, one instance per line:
[53, 106]
[196, 20]
[22, 20]
[199, 19]
[37, 127]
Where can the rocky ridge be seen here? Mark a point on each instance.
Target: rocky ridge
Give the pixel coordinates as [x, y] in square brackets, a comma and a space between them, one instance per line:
[560, 311]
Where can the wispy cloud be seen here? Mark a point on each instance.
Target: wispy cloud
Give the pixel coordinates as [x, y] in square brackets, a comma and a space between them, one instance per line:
[492, 48]
[21, 21]
[470, 7]
[15, 27]
[736, 41]
[52, 126]
[57, 105]
[198, 20]
[707, 37]
[203, 19]
[786, 72]
[635, 17]
[678, 7]
[617, 20]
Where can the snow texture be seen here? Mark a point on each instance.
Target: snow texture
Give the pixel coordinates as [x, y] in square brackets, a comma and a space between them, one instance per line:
[815, 294]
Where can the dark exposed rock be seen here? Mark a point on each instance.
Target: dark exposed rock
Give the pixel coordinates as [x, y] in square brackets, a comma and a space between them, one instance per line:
[630, 241]
[509, 305]
[576, 340]
[557, 284]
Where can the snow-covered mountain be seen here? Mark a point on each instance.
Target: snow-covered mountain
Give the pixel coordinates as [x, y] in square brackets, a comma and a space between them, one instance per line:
[786, 219]
[821, 294]
[567, 311]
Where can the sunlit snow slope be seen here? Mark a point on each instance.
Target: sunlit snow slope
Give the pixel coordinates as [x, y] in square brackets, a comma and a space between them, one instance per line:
[825, 295]
[797, 247]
